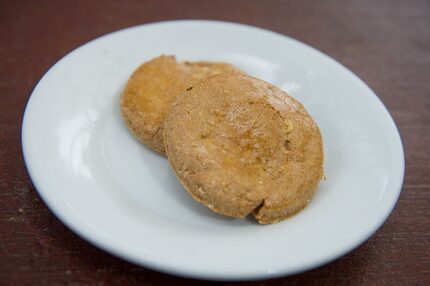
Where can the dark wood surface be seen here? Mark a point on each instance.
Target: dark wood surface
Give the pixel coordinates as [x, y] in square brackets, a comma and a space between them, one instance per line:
[387, 43]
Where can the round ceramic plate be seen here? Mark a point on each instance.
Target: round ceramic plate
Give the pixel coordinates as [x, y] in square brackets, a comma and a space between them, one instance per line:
[122, 197]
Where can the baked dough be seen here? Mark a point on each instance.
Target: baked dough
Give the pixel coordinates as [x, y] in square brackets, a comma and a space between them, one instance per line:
[240, 145]
[152, 88]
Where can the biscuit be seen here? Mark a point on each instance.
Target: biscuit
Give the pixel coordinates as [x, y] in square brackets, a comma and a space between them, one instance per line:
[240, 145]
[151, 89]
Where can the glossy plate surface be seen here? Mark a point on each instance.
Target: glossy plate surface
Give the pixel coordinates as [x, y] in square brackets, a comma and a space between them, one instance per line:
[123, 198]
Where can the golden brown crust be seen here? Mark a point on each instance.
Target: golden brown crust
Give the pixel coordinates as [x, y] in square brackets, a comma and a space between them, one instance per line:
[152, 88]
[240, 145]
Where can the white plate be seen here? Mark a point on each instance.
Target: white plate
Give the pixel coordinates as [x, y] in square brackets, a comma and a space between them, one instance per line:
[123, 198]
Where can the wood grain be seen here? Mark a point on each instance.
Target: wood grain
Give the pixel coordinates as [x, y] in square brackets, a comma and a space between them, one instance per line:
[387, 43]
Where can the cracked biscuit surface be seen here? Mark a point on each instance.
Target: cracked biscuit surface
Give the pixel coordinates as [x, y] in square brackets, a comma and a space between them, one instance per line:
[151, 89]
[242, 146]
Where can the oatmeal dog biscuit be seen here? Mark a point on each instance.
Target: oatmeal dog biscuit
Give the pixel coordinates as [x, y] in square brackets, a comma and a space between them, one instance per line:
[242, 146]
[152, 88]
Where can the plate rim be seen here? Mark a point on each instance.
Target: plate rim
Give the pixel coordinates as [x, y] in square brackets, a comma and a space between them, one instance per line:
[181, 271]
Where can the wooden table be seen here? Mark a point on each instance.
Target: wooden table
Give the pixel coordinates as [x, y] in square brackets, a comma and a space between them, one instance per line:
[387, 43]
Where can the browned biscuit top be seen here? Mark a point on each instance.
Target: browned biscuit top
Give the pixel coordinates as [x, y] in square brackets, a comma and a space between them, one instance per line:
[152, 88]
[241, 145]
